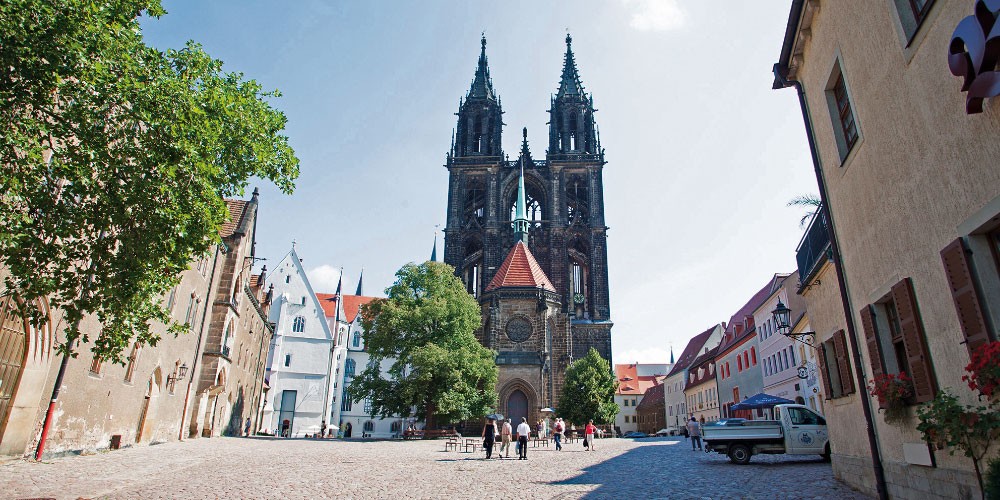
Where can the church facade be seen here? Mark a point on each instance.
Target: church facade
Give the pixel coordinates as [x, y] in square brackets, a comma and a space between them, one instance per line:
[529, 240]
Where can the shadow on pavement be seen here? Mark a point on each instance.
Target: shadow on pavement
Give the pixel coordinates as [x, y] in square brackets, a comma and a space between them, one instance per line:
[665, 468]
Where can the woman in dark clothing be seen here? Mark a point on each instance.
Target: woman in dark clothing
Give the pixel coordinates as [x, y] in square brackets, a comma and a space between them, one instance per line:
[489, 437]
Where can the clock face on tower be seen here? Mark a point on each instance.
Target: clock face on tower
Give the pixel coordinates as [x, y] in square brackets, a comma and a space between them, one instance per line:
[518, 329]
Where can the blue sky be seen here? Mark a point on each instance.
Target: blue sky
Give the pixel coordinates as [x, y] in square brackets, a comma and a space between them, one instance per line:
[702, 154]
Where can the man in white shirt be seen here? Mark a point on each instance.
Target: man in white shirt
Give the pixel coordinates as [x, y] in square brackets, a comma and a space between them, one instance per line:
[523, 430]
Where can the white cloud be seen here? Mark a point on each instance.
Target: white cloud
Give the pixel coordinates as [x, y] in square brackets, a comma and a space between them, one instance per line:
[656, 15]
[645, 355]
[324, 278]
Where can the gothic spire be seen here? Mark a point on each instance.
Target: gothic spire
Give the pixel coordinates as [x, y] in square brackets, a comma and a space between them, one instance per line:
[434, 250]
[570, 83]
[482, 85]
[360, 279]
[520, 210]
[525, 157]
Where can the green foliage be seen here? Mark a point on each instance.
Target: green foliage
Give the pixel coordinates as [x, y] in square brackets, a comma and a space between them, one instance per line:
[115, 160]
[945, 423]
[589, 391]
[810, 201]
[992, 486]
[426, 324]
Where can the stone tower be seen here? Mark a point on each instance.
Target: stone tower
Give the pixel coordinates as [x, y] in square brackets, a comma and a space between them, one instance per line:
[562, 231]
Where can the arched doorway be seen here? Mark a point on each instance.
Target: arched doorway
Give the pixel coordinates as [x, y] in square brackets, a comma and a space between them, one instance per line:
[517, 406]
[142, 430]
[13, 342]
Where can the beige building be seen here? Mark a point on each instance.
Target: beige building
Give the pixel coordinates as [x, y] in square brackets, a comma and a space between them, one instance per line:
[102, 404]
[702, 390]
[908, 169]
[231, 369]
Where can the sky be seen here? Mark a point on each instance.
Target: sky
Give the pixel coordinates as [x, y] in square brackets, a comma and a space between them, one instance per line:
[702, 156]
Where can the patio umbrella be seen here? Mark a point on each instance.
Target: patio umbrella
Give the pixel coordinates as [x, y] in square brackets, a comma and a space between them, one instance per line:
[548, 410]
[494, 416]
[760, 401]
[334, 427]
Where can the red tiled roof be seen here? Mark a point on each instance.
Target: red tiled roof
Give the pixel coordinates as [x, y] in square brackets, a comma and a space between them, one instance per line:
[629, 383]
[694, 346]
[352, 304]
[703, 361]
[237, 210]
[520, 269]
[730, 337]
[653, 399]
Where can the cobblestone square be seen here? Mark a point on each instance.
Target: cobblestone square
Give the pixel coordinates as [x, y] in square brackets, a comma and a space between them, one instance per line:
[299, 468]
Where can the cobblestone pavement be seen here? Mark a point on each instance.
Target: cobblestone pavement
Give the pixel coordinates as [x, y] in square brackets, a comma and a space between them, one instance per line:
[277, 468]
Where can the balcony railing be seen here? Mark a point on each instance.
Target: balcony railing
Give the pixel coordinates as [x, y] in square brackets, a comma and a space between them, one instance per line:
[814, 248]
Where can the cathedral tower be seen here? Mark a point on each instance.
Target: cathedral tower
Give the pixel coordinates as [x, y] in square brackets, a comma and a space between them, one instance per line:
[549, 211]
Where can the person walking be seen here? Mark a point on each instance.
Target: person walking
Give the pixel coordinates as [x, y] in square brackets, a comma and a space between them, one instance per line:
[694, 431]
[505, 433]
[489, 437]
[523, 430]
[588, 435]
[557, 430]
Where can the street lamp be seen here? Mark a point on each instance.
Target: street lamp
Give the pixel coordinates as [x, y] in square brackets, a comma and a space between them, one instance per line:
[782, 315]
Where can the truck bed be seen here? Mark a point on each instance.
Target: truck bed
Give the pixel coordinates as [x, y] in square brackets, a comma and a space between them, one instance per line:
[757, 430]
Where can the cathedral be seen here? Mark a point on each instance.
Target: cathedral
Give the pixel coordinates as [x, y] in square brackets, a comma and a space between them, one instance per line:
[528, 239]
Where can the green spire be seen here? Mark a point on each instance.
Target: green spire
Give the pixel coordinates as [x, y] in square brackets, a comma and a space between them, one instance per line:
[520, 212]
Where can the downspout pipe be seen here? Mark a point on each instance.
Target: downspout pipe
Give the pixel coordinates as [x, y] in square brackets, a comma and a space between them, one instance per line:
[781, 81]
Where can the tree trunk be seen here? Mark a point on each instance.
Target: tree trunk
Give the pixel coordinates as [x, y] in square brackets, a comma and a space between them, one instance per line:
[429, 421]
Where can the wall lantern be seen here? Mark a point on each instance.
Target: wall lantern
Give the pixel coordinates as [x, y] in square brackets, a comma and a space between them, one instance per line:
[782, 320]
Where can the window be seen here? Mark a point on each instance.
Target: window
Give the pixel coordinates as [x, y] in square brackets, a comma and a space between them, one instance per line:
[746, 359]
[288, 279]
[95, 365]
[753, 355]
[356, 341]
[845, 128]
[834, 366]
[911, 14]
[288, 359]
[739, 364]
[896, 339]
[802, 416]
[368, 405]
[345, 401]
[349, 367]
[299, 324]
[303, 300]
[133, 357]
[172, 299]
[972, 266]
[189, 313]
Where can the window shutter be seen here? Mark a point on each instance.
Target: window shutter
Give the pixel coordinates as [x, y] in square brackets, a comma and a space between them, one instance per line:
[825, 375]
[963, 291]
[924, 385]
[843, 366]
[871, 338]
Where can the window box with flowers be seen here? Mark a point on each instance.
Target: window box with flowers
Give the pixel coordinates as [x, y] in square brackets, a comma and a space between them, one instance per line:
[894, 393]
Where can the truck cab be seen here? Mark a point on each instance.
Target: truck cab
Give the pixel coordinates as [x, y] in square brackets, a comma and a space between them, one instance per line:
[796, 430]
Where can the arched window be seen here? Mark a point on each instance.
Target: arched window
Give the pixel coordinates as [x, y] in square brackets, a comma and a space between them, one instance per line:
[534, 201]
[475, 203]
[299, 324]
[345, 401]
[349, 367]
[356, 341]
[369, 426]
[577, 202]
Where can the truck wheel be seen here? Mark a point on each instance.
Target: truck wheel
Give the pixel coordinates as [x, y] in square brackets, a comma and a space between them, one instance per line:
[826, 453]
[739, 454]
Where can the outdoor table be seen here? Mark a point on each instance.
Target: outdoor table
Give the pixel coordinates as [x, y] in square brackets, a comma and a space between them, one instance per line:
[473, 443]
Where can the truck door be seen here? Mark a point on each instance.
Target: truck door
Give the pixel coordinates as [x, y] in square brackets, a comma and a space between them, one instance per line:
[806, 431]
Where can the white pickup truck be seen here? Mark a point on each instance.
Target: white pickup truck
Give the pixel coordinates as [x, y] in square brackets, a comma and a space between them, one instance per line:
[797, 431]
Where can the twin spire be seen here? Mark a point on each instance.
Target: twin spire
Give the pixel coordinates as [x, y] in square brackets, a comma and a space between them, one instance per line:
[570, 83]
[482, 85]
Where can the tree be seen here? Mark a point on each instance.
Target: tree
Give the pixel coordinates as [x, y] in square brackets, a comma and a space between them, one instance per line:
[589, 390]
[426, 326]
[810, 201]
[115, 161]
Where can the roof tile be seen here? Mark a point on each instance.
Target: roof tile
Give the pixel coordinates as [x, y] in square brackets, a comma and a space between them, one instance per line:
[520, 269]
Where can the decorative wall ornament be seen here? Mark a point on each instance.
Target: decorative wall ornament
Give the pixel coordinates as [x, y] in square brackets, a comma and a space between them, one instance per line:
[974, 52]
[519, 329]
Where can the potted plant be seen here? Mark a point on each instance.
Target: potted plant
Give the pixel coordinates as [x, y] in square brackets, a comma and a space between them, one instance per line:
[893, 392]
[984, 370]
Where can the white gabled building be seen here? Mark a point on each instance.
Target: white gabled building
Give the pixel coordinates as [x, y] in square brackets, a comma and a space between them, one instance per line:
[300, 361]
[350, 357]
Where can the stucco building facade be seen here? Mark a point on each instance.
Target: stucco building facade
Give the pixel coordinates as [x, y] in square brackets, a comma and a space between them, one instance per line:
[906, 156]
